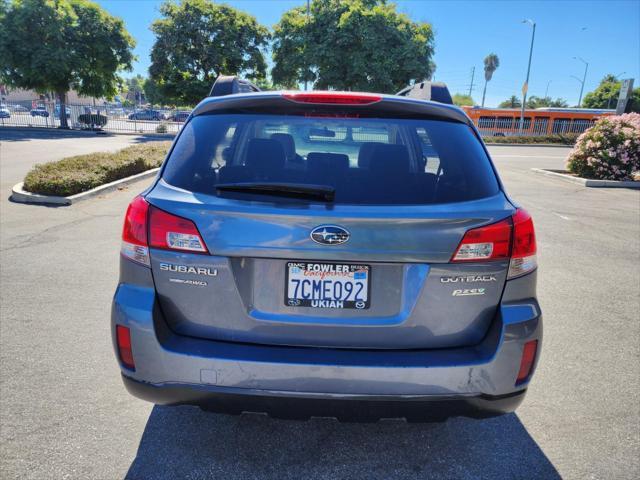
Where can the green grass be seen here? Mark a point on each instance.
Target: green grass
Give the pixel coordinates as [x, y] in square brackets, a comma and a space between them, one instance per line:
[568, 139]
[81, 173]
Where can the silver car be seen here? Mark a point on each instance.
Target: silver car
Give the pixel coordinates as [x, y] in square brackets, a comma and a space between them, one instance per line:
[328, 254]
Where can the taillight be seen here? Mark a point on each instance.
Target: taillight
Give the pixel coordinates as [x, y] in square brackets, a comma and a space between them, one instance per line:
[527, 360]
[335, 98]
[523, 256]
[134, 232]
[171, 232]
[513, 238]
[491, 242]
[123, 339]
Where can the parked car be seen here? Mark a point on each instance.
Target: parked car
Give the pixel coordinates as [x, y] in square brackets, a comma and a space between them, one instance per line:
[18, 109]
[374, 267]
[40, 111]
[4, 112]
[179, 117]
[147, 115]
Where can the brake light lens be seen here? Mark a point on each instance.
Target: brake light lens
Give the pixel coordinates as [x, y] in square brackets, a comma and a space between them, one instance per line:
[526, 363]
[491, 242]
[171, 232]
[134, 232]
[523, 257]
[334, 98]
[123, 339]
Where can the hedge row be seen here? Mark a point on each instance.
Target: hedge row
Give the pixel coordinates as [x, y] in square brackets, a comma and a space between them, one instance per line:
[81, 173]
[568, 139]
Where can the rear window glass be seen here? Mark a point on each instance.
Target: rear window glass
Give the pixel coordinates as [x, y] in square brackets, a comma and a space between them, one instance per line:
[365, 160]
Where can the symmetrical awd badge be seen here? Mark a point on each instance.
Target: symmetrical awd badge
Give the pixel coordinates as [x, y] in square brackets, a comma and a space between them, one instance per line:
[329, 235]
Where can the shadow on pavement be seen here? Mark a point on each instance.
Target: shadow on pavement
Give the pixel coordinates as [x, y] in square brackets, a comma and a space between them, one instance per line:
[184, 442]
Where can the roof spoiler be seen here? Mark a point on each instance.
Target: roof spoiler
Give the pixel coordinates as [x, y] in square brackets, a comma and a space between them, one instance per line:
[434, 91]
[228, 85]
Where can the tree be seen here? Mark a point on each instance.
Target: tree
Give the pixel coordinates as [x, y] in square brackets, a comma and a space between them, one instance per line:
[152, 93]
[606, 95]
[491, 64]
[361, 45]
[463, 99]
[511, 102]
[135, 89]
[198, 40]
[539, 102]
[48, 45]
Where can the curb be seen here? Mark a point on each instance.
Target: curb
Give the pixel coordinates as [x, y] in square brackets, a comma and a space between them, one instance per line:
[546, 145]
[587, 182]
[20, 195]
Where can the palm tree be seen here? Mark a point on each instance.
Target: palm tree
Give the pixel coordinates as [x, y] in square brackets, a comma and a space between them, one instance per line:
[491, 64]
[511, 102]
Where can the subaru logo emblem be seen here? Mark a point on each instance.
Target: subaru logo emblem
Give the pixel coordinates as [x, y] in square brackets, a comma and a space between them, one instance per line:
[329, 235]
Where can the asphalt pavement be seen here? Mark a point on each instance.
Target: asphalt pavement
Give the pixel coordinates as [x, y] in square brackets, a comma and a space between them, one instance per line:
[65, 414]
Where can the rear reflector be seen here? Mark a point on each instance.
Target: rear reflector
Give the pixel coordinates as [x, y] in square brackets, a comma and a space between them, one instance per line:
[523, 256]
[134, 232]
[526, 363]
[123, 338]
[171, 232]
[491, 242]
[334, 98]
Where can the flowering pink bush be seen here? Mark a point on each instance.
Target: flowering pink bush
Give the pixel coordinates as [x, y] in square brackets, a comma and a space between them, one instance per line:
[609, 150]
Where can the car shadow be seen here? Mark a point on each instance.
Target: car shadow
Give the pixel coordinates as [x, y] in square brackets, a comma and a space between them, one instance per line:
[184, 442]
[22, 134]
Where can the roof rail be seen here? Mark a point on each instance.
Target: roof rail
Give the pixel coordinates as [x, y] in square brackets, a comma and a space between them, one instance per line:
[435, 91]
[227, 85]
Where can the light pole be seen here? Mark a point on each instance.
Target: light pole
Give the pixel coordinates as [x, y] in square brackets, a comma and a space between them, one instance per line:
[525, 87]
[546, 90]
[584, 78]
[306, 35]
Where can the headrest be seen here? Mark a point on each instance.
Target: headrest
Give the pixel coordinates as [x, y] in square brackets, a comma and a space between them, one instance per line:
[390, 159]
[287, 142]
[364, 155]
[264, 156]
[318, 161]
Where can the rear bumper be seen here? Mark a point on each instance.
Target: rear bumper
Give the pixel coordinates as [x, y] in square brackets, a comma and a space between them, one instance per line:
[295, 405]
[474, 381]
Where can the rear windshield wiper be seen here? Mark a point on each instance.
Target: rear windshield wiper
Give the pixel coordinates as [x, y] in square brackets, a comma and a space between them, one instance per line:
[294, 190]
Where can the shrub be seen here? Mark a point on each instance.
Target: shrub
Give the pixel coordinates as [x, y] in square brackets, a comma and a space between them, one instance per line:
[92, 119]
[609, 150]
[566, 139]
[161, 128]
[81, 173]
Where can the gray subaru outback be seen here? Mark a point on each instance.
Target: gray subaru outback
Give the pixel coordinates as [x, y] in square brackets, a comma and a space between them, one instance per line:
[332, 254]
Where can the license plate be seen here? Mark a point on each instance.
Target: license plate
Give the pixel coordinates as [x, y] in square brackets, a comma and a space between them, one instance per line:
[327, 285]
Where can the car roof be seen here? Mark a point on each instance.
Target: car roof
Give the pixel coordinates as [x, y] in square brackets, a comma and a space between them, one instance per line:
[276, 101]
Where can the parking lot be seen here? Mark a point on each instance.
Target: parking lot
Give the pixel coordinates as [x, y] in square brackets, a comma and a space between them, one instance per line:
[65, 413]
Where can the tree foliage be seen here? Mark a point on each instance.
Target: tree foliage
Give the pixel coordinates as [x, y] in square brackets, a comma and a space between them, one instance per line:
[539, 102]
[463, 99]
[491, 64]
[606, 95]
[198, 40]
[361, 45]
[59, 45]
[511, 102]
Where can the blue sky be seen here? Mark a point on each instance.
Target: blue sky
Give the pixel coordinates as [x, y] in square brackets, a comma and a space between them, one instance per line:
[604, 33]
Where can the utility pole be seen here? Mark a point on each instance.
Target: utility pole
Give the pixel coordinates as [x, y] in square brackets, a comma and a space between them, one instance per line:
[306, 40]
[546, 90]
[473, 72]
[525, 87]
[584, 78]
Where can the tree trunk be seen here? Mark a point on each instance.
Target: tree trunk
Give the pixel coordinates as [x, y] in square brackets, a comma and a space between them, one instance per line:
[484, 92]
[63, 109]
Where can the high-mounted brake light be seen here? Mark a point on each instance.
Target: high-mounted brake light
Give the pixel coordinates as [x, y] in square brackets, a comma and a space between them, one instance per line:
[513, 238]
[134, 232]
[174, 233]
[123, 340]
[333, 98]
[527, 360]
[491, 242]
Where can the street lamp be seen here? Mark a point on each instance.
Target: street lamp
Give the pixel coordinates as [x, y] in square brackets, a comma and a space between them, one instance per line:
[584, 78]
[525, 87]
[546, 90]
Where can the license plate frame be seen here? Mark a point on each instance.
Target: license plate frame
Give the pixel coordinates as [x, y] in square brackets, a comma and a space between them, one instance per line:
[350, 302]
